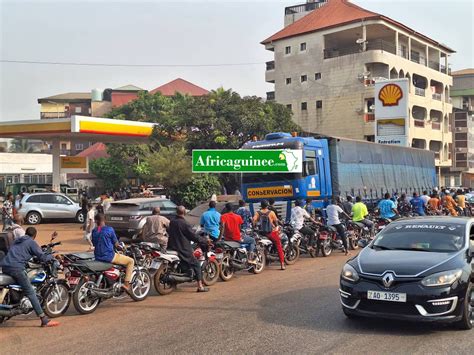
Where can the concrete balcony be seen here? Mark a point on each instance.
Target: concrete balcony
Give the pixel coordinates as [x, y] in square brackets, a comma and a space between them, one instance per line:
[270, 72]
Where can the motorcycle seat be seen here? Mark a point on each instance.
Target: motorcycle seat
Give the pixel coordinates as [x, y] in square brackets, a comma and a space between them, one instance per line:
[83, 256]
[95, 265]
[172, 252]
[232, 244]
[360, 225]
[6, 280]
[152, 245]
[331, 229]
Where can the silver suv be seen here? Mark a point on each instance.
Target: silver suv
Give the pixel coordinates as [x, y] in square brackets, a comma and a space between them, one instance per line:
[49, 205]
[128, 217]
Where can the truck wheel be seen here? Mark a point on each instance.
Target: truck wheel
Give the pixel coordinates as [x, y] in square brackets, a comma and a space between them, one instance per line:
[33, 218]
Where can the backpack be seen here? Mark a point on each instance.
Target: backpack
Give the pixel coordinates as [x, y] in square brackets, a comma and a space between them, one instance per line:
[265, 223]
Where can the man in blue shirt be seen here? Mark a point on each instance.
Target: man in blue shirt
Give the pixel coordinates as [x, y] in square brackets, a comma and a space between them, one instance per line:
[387, 208]
[244, 212]
[105, 242]
[211, 220]
[418, 204]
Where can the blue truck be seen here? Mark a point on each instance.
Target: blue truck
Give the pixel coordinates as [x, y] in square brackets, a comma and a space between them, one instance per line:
[339, 167]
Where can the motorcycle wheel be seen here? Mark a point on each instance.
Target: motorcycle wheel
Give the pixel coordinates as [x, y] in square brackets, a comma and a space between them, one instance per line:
[353, 242]
[56, 300]
[5, 301]
[226, 271]
[163, 288]
[261, 262]
[326, 248]
[82, 298]
[292, 254]
[140, 286]
[210, 272]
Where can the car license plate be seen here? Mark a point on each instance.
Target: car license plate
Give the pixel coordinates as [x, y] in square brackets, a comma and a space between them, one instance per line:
[155, 265]
[387, 296]
[73, 280]
[116, 218]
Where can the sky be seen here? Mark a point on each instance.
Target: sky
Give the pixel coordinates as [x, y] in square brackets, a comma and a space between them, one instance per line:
[172, 33]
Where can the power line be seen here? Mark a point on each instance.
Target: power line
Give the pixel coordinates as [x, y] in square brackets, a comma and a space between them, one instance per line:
[129, 65]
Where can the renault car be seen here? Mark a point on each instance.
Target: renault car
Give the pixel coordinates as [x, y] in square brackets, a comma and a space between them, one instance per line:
[417, 269]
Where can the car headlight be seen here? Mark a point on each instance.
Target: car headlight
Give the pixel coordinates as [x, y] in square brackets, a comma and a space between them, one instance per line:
[349, 273]
[444, 278]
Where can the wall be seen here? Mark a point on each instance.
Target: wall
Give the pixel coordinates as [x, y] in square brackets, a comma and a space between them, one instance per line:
[122, 98]
[100, 108]
[19, 163]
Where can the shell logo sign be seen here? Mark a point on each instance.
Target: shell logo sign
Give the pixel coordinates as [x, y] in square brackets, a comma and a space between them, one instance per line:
[390, 95]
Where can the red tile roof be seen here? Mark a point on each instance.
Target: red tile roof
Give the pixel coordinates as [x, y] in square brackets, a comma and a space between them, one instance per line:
[182, 86]
[336, 13]
[98, 150]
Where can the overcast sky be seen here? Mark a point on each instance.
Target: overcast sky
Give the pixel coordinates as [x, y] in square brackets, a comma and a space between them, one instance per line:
[177, 32]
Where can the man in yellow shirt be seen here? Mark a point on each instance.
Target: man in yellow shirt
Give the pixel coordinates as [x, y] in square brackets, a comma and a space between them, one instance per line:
[461, 201]
[359, 212]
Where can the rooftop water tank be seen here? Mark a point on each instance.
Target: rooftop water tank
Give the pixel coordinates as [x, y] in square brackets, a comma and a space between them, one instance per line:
[97, 94]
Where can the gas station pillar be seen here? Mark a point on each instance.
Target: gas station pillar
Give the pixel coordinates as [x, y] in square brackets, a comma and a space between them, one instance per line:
[56, 152]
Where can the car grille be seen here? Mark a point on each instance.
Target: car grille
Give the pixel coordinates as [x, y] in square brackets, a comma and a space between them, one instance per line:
[407, 308]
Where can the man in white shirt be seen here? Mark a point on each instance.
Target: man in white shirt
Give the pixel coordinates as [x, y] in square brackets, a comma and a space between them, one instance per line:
[16, 227]
[298, 216]
[333, 211]
[425, 198]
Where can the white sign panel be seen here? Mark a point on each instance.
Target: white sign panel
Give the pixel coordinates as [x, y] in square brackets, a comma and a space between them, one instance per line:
[391, 112]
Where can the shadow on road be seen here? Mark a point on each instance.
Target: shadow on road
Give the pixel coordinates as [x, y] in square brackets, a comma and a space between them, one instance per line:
[319, 308]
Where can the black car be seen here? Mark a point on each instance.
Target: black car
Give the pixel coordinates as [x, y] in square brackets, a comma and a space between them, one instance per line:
[417, 269]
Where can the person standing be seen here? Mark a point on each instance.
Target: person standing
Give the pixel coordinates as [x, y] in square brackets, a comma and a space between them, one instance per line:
[210, 221]
[418, 204]
[22, 250]
[7, 211]
[89, 225]
[267, 223]
[181, 235]
[333, 211]
[154, 230]
[244, 212]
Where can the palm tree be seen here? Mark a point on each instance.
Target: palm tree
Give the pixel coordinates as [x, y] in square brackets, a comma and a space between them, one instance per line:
[22, 146]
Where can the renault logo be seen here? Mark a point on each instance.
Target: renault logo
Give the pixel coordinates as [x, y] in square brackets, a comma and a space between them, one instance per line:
[388, 279]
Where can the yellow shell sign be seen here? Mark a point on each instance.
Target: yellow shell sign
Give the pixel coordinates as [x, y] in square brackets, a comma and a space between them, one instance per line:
[74, 165]
[390, 95]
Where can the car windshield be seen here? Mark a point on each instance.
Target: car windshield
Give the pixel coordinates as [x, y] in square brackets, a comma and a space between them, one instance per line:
[427, 237]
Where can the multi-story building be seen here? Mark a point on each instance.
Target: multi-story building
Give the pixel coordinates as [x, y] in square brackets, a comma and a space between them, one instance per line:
[462, 95]
[328, 57]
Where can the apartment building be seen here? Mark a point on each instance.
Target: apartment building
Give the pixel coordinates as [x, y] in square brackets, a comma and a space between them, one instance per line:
[462, 95]
[330, 54]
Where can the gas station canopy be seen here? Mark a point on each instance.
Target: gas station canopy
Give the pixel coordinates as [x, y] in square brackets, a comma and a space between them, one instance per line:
[77, 128]
[81, 128]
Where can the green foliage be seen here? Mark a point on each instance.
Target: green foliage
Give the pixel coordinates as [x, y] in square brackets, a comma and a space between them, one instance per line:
[170, 166]
[110, 170]
[199, 188]
[21, 146]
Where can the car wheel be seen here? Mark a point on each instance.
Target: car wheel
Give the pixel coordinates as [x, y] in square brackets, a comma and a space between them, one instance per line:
[80, 218]
[347, 313]
[33, 218]
[467, 320]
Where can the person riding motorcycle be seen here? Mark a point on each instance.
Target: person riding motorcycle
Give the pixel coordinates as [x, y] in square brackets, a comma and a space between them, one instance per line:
[268, 225]
[14, 264]
[181, 235]
[418, 204]
[298, 216]
[105, 242]
[359, 213]
[387, 208]
[231, 224]
[333, 211]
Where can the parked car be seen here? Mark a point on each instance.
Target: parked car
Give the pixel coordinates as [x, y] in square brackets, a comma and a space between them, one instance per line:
[194, 216]
[128, 217]
[417, 269]
[49, 205]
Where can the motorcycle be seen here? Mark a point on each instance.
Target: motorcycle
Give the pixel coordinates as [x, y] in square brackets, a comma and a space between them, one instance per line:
[52, 292]
[289, 245]
[171, 271]
[328, 240]
[304, 241]
[236, 257]
[98, 281]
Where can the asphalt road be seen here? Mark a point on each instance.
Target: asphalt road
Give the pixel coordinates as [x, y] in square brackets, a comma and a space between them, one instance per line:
[295, 311]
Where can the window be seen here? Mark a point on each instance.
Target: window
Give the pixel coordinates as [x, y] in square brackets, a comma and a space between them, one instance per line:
[304, 78]
[288, 81]
[61, 200]
[47, 199]
[304, 106]
[63, 146]
[317, 76]
[311, 163]
[289, 106]
[303, 46]
[79, 146]
[288, 50]
[369, 103]
[78, 109]
[34, 199]
[319, 104]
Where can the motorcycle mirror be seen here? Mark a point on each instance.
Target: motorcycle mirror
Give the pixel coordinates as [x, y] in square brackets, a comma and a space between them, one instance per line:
[362, 243]
[54, 235]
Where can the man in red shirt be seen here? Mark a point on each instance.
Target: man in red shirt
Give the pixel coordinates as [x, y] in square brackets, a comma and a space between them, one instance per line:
[231, 223]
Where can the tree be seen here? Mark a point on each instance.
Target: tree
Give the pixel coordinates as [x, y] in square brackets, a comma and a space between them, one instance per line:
[22, 146]
[200, 188]
[170, 166]
[110, 170]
